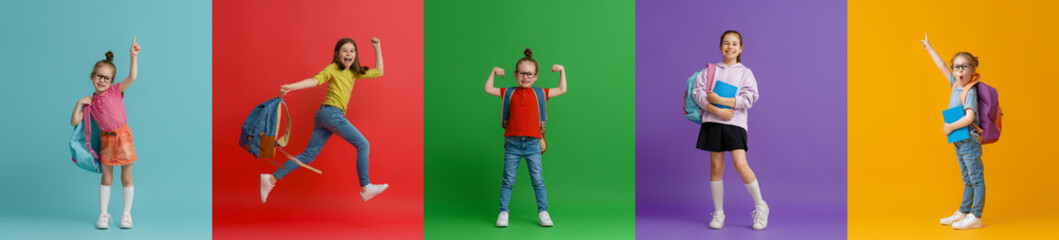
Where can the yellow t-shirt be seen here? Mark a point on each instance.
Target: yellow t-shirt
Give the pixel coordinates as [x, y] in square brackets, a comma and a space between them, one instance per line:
[341, 86]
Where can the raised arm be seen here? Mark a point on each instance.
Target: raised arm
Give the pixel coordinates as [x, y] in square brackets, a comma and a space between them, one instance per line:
[299, 85]
[489, 88]
[377, 45]
[77, 115]
[133, 51]
[555, 92]
[937, 59]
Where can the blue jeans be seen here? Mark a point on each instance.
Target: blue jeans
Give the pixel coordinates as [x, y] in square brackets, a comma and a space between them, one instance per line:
[330, 120]
[515, 148]
[969, 155]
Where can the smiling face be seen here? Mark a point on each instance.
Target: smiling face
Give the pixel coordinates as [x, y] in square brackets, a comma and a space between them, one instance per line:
[526, 74]
[102, 77]
[731, 47]
[346, 54]
[963, 68]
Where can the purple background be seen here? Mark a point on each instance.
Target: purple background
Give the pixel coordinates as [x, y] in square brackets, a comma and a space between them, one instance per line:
[797, 135]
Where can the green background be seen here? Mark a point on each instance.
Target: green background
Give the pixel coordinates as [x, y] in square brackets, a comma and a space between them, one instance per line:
[589, 167]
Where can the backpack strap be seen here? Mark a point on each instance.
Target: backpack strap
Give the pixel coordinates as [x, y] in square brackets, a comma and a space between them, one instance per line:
[963, 99]
[541, 105]
[506, 113]
[86, 111]
[710, 69]
[282, 141]
[299, 162]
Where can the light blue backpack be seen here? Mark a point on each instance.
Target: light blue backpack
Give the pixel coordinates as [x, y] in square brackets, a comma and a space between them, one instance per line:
[84, 143]
[691, 109]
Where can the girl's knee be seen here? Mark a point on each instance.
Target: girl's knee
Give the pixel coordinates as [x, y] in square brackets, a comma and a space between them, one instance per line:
[363, 146]
[126, 181]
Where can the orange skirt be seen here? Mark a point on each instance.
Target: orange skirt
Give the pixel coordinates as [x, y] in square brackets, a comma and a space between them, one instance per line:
[117, 148]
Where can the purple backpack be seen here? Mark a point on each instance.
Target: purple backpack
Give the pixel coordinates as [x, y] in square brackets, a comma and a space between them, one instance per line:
[989, 112]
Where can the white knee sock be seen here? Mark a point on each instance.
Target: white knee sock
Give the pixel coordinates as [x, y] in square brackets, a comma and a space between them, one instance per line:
[127, 196]
[717, 192]
[755, 193]
[104, 198]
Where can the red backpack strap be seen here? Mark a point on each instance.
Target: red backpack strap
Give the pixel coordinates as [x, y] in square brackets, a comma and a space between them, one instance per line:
[86, 111]
[710, 69]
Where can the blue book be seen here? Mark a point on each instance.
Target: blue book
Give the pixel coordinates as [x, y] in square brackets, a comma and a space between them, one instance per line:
[952, 115]
[724, 90]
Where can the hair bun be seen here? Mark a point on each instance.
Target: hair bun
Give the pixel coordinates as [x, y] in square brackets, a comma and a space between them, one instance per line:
[528, 52]
[110, 56]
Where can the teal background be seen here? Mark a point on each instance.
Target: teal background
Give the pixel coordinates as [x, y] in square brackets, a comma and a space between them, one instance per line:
[589, 166]
[49, 50]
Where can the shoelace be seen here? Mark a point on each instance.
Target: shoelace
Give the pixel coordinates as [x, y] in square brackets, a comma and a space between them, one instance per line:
[758, 218]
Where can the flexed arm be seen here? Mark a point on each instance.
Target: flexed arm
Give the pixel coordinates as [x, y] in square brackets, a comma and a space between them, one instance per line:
[937, 59]
[489, 88]
[555, 92]
[133, 51]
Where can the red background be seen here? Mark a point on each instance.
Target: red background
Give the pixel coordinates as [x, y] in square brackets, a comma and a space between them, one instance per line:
[260, 45]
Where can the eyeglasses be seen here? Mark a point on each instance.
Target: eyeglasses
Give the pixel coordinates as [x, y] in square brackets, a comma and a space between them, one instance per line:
[527, 74]
[101, 76]
[961, 67]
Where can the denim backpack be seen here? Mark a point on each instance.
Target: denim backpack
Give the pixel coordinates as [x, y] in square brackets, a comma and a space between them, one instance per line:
[989, 112]
[692, 111]
[81, 142]
[541, 110]
[260, 133]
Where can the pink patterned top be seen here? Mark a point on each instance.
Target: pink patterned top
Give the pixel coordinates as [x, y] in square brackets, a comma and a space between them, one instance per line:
[108, 108]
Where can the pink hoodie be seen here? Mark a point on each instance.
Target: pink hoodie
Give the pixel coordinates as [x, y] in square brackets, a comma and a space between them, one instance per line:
[736, 75]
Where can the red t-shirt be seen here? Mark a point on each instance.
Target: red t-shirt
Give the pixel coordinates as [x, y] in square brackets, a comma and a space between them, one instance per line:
[523, 120]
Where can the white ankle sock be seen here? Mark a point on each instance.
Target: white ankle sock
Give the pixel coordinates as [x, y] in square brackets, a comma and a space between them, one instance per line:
[126, 194]
[104, 198]
[717, 192]
[755, 193]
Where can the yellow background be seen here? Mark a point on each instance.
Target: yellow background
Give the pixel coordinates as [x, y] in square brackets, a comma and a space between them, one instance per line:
[903, 176]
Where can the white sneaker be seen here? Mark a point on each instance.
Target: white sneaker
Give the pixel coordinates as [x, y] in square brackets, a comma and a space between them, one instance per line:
[371, 190]
[104, 221]
[718, 220]
[266, 186]
[501, 221]
[969, 222]
[126, 221]
[761, 217]
[544, 220]
[956, 217]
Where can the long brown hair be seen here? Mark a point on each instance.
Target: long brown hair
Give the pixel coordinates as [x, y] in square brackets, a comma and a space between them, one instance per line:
[738, 58]
[109, 61]
[356, 67]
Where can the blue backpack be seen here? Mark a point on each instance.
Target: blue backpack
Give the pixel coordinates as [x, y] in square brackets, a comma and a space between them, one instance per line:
[260, 133]
[541, 110]
[691, 109]
[82, 142]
